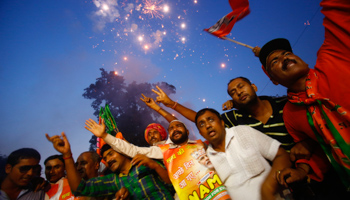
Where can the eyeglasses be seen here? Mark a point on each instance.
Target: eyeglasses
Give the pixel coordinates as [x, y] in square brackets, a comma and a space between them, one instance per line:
[26, 168]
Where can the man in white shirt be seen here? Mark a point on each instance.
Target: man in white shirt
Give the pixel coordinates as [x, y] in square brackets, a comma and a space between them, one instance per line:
[239, 155]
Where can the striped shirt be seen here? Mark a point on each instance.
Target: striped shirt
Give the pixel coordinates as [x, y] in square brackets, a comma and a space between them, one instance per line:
[274, 127]
[141, 182]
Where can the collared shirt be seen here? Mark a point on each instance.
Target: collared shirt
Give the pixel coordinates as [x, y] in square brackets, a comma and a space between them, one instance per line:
[25, 195]
[274, 127]
[243, 166]
[142, 183]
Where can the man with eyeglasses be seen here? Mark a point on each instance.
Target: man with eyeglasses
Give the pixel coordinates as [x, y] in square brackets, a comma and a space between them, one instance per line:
[21, 167]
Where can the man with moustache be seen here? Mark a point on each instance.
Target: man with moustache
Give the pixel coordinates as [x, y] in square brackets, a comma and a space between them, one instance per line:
[185, 174]
[240, 154]
[143, 180]
[318, 107]
[20, 169]
[155, 134]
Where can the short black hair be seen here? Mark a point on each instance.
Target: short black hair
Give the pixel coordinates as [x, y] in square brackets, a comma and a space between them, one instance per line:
[241, 77]
[23, 153]
[105, 148]
[60, 157]
[201, 112]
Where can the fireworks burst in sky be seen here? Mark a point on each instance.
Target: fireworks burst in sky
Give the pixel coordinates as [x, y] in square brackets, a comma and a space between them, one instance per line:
[153, 7]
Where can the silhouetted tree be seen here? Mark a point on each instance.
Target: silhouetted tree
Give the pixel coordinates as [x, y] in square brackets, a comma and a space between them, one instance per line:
[130, 113]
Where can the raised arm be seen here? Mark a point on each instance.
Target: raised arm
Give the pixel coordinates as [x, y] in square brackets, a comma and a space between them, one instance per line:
[120, 145]
[61, 144]
[152, 104]
[184, 111]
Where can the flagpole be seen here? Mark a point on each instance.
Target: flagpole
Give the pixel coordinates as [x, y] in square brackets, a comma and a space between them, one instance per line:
[240, 43]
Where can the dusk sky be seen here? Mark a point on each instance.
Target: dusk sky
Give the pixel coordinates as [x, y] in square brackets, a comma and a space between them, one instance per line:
[51, 50]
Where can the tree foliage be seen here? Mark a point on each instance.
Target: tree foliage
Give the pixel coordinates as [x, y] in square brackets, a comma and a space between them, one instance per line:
[131, 114]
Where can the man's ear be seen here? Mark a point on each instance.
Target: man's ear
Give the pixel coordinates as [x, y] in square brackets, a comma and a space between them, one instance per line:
[222, 123]
[97, 165]
[254, 87]
[8, 168]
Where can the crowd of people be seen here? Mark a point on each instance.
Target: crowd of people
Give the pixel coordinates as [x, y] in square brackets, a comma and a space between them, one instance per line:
[261, 147]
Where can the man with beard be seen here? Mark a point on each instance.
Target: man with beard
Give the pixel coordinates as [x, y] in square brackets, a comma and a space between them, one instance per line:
[262, 113]
[187, 176]
[144, 180]
[318, 107]
[155, 134]
[20, 170]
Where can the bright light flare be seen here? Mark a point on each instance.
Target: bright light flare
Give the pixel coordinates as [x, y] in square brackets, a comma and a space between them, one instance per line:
[195, 1]
[125, 58]
[223, 65]
[105, 7]
[203, 100]
[166, 8]
[115, 73]
[146, 47]
[140, 38]
[183, 25]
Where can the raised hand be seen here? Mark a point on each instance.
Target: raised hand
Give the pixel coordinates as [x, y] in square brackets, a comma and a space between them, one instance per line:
[150, 102]
[60, 143]
[99, 130]
[140, 159]
[228, 105]
[163, 97]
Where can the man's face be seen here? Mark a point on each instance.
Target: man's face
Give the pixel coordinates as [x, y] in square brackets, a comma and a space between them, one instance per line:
[285, 68]
[204, 160]
[86, 166]
[178, 132]
[22, 173]
[54, 170]
[211, 127]
[114, 160]
[153, 136]
[242, 93]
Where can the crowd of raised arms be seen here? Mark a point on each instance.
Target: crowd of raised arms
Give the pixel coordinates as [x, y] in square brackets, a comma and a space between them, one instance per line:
[260, 147]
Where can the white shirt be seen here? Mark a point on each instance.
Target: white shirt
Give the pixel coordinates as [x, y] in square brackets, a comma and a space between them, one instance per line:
[243, 166]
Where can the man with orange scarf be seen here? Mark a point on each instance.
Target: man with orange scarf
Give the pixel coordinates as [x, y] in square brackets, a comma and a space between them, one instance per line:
[318, 107]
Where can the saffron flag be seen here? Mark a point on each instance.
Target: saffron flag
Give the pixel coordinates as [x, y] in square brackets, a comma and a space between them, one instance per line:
[240, 8]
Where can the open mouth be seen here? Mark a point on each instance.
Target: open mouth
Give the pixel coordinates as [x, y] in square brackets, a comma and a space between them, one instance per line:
[287, 63]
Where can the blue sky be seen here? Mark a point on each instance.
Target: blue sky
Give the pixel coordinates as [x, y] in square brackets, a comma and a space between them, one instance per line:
[52, 50]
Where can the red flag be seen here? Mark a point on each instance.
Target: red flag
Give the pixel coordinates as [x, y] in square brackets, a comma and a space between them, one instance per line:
[224, 25]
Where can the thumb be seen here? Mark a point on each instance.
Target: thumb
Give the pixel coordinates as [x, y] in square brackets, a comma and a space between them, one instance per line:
[47, 137]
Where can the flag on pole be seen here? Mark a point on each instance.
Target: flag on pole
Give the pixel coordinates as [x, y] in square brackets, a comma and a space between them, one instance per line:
[240, 8]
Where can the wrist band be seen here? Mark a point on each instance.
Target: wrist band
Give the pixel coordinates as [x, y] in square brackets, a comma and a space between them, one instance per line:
[175, 104]
[65, 158]
[159, 109]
